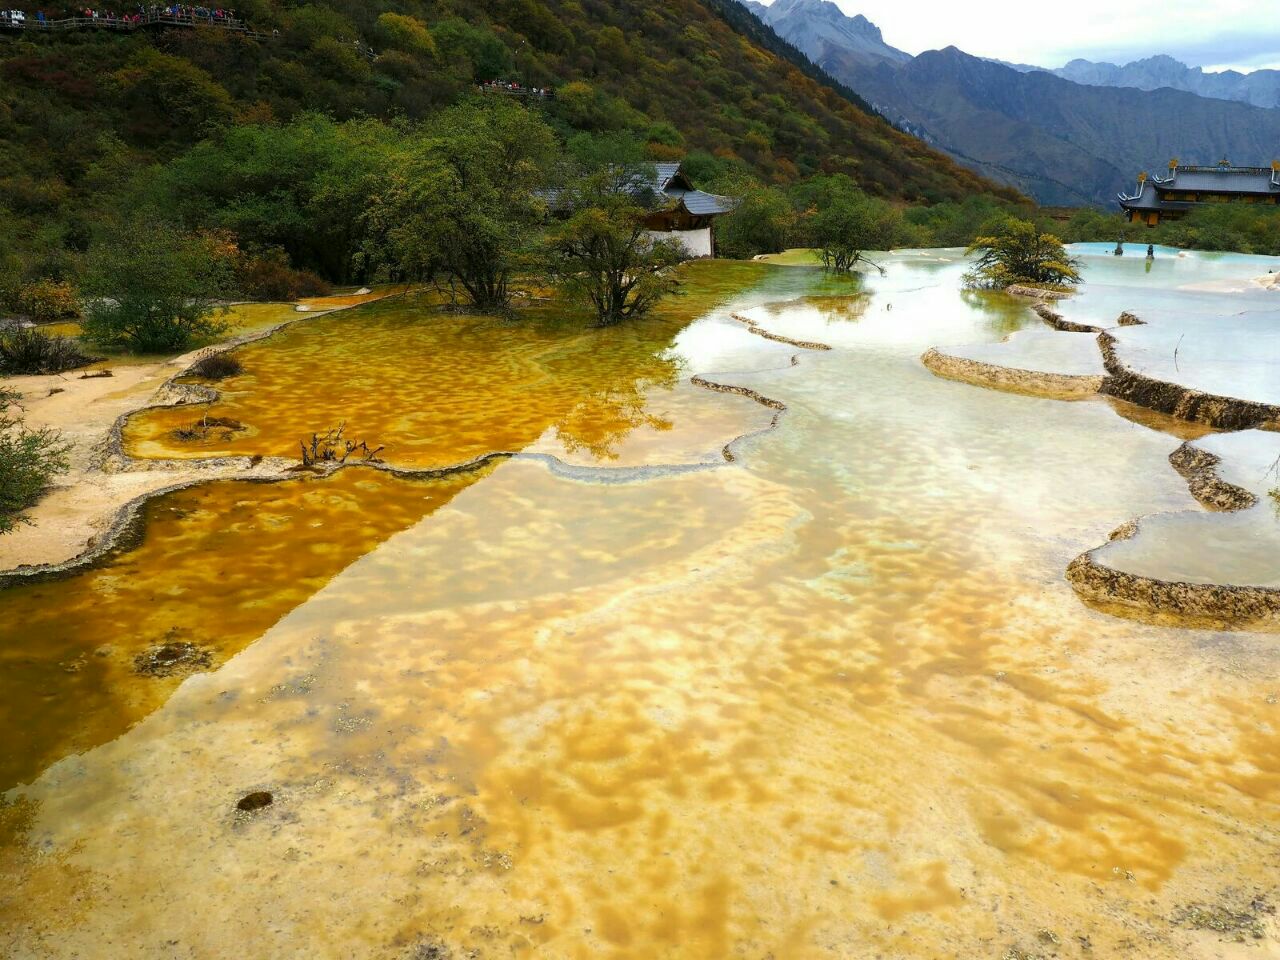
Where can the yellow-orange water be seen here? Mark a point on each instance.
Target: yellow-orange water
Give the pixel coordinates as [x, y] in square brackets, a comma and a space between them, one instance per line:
[216, 566]
[833, 700]
[437, 389]
[220, 563]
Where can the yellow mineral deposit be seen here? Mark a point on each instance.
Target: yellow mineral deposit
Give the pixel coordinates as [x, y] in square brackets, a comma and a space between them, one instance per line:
[832, 699]
[438, 389]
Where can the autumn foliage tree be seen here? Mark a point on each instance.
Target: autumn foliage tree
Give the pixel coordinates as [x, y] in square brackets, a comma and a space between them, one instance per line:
[1017, 251]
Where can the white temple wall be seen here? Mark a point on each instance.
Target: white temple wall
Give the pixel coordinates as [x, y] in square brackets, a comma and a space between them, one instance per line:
[697, 243]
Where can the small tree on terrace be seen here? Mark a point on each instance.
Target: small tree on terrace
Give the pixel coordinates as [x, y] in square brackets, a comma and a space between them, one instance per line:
[603, 254]
[152, 288]
[466, 208]
[1017, 252]
[850, 223]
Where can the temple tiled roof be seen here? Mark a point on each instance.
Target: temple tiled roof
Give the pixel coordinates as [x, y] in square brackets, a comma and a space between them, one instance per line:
[1153, 194]
[1245, 180]
[667, 182]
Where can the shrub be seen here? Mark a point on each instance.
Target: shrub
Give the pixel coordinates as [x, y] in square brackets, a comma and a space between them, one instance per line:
[406, 33]
[154, 287]
[763, 222]
[1017, 252]
[271, 278]
[29, 460]
[478, 47]
[26, 350]
[217, 366]
[46, 300]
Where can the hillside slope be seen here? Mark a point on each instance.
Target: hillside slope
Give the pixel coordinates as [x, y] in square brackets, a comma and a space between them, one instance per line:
[78, 109]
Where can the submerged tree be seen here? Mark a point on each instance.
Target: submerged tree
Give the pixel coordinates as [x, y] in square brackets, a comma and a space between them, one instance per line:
[29, 460]
[152, 288]
[848, 223]
[465, 210]
[603, 254]
[1017, 252]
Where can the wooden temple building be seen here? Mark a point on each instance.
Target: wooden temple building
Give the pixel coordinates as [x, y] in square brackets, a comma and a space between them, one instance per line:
[675, 208]
[684, 212]
[1169, 198]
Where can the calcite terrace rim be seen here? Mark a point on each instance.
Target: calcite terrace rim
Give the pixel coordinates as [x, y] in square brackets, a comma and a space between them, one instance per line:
[1184, 403]
[1199, 468]
[1034, 383]
[128, 519]
[1237, 606]
[1231, 606]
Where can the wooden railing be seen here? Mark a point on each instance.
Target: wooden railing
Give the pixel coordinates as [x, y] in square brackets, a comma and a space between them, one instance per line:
[33, 25]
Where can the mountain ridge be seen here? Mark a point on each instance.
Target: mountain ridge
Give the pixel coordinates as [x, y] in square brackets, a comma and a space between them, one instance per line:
[1261, 88]
[1062, 141]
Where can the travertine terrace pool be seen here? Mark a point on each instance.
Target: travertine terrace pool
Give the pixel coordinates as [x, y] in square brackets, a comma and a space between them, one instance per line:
[786, 670]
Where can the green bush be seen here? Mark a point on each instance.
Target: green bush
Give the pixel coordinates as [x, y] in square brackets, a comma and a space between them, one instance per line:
[475, 47]
[152, 288]
[29, 461]
[763, 222]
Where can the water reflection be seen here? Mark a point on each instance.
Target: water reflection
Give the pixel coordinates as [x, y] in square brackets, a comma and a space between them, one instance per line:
[439, 389]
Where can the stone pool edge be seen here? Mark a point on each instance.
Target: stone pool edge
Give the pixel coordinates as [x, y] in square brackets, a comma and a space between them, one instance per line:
[1238, 606]
[1034, 383]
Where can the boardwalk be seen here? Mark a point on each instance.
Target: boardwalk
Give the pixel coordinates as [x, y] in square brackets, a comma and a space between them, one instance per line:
[30, 24]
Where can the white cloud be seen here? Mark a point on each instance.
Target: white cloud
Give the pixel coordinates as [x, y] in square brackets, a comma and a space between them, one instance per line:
[1239, 34]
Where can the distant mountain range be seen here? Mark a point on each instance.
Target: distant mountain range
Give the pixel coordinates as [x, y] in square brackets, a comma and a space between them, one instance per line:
[1073, 136]
[1260, 88]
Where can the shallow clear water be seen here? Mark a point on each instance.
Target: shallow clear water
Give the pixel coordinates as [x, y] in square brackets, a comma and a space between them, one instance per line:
[834, 698]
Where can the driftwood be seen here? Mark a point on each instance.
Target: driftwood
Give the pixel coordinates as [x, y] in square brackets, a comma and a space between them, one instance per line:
[332, 447]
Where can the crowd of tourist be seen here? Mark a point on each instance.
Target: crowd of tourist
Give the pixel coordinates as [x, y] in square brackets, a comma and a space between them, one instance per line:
[515, 89]
[139, 15]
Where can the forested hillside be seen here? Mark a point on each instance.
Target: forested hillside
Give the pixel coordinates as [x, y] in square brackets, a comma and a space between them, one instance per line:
[80, 111]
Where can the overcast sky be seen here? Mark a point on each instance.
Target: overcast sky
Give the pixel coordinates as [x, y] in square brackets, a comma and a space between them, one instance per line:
[1214, 34]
